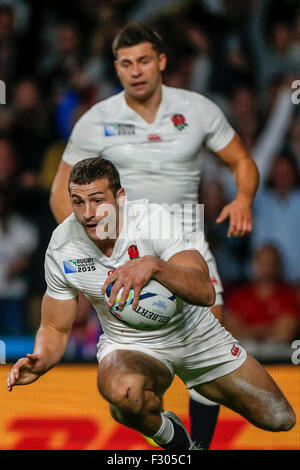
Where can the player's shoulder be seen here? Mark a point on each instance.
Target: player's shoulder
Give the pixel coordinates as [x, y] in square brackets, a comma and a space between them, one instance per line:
[102, 110]
[151, 220]
[109, 104]
[68, 231]
[142, 211]
[143, 207]
[192, 98]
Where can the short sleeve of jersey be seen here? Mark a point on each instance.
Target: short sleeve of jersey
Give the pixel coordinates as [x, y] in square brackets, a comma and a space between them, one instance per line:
[165, 232]
[218, 130]
[57, 287]
[82, 142]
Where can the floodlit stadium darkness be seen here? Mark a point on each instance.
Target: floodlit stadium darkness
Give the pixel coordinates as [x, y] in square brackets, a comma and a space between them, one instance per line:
[56, 62]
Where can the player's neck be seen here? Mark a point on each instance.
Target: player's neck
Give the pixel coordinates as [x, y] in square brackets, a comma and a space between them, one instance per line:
[146, 109]
[106, 246]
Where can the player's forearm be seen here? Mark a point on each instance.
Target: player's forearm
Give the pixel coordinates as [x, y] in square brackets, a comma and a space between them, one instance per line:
[191, 284]
[246, 179]
[60, 199]
[51, 345]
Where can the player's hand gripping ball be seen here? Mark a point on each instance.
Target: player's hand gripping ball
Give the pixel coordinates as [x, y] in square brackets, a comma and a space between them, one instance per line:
[156, 307]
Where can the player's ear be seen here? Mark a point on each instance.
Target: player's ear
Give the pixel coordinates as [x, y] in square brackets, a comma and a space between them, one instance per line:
[162, 60]
[121, 197]
[116, 67]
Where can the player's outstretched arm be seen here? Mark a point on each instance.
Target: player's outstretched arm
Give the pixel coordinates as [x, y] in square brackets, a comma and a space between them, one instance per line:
[50, 344]
[246, 179]
[59, 199]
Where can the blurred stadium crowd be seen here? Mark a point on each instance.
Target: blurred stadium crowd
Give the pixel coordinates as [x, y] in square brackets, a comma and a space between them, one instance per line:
[56, 62]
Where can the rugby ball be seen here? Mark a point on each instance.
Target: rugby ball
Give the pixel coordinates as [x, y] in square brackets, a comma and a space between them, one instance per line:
[155, 309]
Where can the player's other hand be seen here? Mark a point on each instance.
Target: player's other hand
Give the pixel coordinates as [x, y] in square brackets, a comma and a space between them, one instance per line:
[25, 371]
[240, 218]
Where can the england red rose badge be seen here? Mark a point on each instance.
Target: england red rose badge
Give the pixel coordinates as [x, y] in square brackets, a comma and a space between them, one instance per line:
[179, 121]
[133, 252]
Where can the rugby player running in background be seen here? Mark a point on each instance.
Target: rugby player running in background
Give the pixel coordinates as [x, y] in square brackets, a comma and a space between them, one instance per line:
[154, 135]
[136, 367]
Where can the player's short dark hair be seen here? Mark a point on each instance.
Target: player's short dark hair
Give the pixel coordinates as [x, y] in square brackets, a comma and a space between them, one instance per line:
[91, 169]
[135, 33]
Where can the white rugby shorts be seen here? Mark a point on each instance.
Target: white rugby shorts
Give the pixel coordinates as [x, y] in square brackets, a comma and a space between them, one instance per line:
[197, 359]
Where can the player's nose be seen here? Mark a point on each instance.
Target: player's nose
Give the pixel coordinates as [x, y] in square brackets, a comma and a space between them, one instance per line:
[89, 212]
[136, 69]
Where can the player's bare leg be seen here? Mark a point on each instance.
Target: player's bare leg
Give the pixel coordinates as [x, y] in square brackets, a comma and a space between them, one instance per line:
[251, 392]
[134, 383]
[217, 311]
[203, 412]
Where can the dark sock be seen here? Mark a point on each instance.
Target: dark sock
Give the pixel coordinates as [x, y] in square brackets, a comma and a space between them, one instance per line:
[203, 422]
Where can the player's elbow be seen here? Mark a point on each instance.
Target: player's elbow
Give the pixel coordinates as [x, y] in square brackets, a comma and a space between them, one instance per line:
[208, 295]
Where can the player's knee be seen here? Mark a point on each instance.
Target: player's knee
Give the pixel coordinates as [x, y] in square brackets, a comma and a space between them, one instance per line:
[127, 394]
[281, 417]
[284, 421]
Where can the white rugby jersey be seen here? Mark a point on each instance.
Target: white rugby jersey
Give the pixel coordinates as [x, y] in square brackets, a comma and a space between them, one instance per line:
[161, 161]
[74, 263]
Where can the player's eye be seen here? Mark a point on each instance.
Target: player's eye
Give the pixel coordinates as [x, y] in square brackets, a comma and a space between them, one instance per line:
[125, 64]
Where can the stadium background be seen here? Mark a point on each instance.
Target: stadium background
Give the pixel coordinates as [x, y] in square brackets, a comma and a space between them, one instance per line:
[56, 62]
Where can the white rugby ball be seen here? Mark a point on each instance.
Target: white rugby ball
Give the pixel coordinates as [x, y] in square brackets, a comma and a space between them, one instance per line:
[155, 309]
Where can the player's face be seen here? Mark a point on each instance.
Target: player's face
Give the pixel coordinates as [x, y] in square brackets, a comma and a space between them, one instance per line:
[139, 69]
[97, 209]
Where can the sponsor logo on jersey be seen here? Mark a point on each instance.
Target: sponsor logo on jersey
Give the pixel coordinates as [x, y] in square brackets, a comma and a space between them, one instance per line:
[235, 351]
[111, 130]
[179, 121]
[154, 137]
[79, 265]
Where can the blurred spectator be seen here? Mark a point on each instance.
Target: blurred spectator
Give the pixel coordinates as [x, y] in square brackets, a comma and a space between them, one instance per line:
[62, 56]
[22, 12]
[294, 140]
[18, 240]
[263, 145]
[15, 57]
[201, 64]
[8, 164]
[276, 215]
[266, 309]
[8, 44]
[30, 125]
[277, 54]
[245, 115]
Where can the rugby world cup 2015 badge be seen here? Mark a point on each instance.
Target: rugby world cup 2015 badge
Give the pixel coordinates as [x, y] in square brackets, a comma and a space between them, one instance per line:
[111, 130]
[79, 265]
[70, 266]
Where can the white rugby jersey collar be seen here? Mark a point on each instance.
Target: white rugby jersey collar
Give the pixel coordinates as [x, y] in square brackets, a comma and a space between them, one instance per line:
[159, 114]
